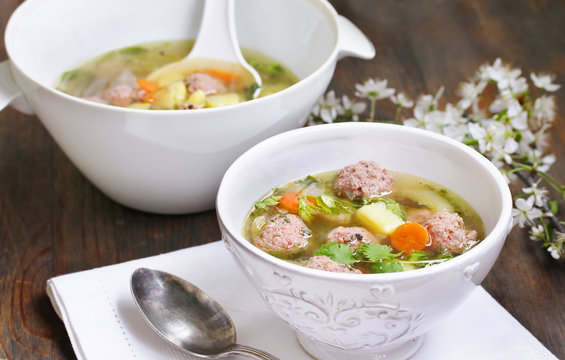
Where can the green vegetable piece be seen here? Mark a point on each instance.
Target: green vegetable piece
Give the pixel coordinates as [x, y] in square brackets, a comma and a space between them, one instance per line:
[306, 210]
[377, 252]
[264, 204]
[249, 91]
[69, 75]
[274, 69]
[133, 50]
[387, 266]
[418, 256]
[337, 252]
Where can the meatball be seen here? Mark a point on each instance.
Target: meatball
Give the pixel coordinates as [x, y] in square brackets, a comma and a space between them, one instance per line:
[204, 82]
[419, 215]
[352, 236]
[123, 95]
[365, 179]
[447, 232]
[326, 264]
[283, 233]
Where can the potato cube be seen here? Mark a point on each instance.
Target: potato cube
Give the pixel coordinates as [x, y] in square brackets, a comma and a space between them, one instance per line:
[170, 97]
[197, 98]
[378, 219]
[222, 99]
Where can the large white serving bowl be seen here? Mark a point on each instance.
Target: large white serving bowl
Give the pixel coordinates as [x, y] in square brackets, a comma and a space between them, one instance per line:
[363, 316]
[162, 160]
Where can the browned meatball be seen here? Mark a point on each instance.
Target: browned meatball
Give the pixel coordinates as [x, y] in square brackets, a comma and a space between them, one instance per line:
[204, 82]
[447, 232]
[284, 233]
[351, 236]
[326, 264]
[365, 179]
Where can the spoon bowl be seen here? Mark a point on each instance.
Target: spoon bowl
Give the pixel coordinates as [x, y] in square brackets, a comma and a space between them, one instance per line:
[217, 47]
[186, 316]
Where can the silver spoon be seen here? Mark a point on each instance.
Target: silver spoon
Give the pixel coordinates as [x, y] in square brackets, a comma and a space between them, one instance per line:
[187, 317]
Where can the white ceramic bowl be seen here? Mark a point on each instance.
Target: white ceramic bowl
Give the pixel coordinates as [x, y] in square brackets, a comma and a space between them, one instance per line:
[371, 316]
[166, 161]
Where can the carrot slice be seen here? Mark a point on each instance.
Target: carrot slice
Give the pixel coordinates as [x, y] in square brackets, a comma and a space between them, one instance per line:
[148, 98]
[289, 201]
[409, 237]
[148, 85]
[225, 76]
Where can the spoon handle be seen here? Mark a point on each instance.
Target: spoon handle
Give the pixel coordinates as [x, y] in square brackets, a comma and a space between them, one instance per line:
[250, 352]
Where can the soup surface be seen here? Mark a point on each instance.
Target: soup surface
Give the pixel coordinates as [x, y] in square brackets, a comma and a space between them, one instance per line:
[363, 219]
[126, 77]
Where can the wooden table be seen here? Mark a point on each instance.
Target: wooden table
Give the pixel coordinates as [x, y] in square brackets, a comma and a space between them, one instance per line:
[53, 221]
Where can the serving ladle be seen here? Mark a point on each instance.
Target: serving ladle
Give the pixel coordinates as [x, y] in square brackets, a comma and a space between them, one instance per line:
[187, 317]
[216, 46]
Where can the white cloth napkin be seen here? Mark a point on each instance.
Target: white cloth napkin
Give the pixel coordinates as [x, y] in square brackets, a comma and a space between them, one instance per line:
[104, 323]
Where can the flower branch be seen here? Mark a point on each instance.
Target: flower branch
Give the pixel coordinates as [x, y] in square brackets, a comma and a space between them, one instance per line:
[499, 115]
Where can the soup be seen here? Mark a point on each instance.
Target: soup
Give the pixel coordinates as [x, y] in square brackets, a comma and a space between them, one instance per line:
[126, 77]
[363, 219]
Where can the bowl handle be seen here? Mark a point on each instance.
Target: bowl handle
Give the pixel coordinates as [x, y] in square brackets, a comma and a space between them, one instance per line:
[352, 42]
[10, 93]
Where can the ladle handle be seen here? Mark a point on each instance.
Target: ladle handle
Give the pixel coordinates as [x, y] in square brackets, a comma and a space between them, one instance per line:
[250, 353]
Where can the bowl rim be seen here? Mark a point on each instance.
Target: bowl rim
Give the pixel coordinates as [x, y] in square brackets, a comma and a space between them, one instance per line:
[499, 232]
[324, 7]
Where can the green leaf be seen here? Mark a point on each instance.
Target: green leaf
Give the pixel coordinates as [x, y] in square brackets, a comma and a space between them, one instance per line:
[418, 256]
[324, 204]
[553, 206]
[377, 252]
[387, 266]
[337, 252]
[306, 210]
[249, 91]
[308, 180]
[267, 202]
[69, 75]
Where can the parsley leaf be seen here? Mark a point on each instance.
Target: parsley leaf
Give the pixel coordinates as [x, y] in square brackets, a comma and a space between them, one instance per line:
[387, 266]
[418, 256]
[267, 202]
[377, 252]
[337, 252]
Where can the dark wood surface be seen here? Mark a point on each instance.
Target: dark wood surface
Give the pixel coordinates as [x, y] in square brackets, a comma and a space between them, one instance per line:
[53, 221]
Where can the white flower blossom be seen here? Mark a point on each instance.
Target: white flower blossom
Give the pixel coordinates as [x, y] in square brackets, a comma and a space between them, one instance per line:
[539, 194]
[401, 100]
[537, 233]
[545, 82]
[470, 93]
[374, 89]
[327, 107]
[351, 109]
[525, 212]
[502, 75]
[544, 108]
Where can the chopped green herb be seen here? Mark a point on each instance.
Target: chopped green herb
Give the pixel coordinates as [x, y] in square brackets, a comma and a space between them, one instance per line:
[387, 266]
[337, 252]
[264, 204]
[249, 91]
[324, 204]
[418, 256]
[376, 252]
[69, 75]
